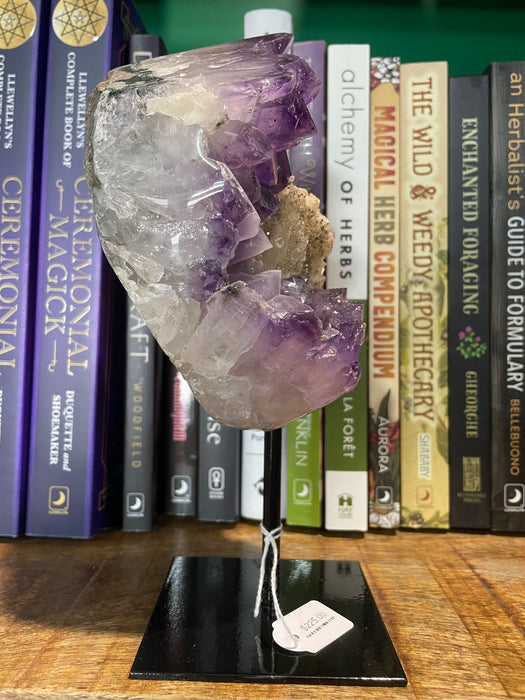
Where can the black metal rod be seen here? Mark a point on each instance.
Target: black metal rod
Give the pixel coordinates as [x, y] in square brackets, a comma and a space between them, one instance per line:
[271, 521]
[272, 479]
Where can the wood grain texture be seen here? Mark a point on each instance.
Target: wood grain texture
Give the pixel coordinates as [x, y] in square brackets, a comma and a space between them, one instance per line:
[72, 613]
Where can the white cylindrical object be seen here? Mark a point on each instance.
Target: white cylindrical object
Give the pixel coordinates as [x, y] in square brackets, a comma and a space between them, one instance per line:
[267, 21]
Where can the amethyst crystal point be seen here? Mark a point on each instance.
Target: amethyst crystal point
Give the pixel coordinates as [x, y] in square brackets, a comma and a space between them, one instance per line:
[223, 257]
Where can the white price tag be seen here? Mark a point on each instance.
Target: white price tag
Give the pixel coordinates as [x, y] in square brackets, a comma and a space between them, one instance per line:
[313, 626]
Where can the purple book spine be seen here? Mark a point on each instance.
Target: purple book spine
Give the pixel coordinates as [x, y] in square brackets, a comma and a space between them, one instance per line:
[22, 58]
[74, 421]
[307, 158]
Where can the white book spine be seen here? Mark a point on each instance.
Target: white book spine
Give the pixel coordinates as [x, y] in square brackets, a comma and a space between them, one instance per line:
[347, 205]
[347, 166]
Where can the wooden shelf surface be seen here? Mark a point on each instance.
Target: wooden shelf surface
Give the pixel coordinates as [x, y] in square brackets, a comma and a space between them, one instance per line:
[72, 613]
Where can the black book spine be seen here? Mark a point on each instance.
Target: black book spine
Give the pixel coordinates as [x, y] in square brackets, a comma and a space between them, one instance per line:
[139, 504]
[507, 88]
[469, 302]
[139, 432]
[145, 46]
[219, 470]
[180, 445]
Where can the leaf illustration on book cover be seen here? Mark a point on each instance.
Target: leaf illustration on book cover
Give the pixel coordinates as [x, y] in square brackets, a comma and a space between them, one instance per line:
[403, 343]
[442, 440]
[443, 370]
[470, 345]
[440, 296]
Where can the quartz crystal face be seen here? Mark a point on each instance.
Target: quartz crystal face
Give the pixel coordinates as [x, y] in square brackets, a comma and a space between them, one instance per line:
[221, 254]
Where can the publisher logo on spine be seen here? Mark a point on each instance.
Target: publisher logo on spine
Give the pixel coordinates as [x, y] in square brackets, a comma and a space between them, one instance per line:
[17, 22]
[80, 22]
[58, 503]
[302, 492]
[216, 483]
[424, 496]
[181, 488]
[384, 496]
[344, 505]
[135, 503]
[514, 497]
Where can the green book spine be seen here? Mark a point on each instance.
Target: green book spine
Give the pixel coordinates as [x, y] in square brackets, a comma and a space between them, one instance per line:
[346, 457]
[304, 455]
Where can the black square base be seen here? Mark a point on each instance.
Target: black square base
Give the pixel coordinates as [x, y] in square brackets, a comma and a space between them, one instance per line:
[203, 627]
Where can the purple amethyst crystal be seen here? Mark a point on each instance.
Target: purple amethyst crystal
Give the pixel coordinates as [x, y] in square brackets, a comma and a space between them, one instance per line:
[188, 170]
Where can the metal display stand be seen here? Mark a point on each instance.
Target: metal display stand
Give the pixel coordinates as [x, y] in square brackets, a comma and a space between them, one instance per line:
[203, 626]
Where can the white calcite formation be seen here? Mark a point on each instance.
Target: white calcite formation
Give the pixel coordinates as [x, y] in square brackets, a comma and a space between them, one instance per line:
[222, 256]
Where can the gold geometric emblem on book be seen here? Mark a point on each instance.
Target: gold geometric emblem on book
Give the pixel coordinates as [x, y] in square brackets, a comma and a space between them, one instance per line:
[17, 22]
[80, 22]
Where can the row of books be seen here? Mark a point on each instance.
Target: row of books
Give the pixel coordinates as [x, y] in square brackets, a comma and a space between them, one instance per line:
[423, 189]
[80, 374]
[411, 180]
[424, 238]
[60, 305]
[431, 167]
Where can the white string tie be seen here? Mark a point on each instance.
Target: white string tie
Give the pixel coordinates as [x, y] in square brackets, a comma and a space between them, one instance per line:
[270, 540]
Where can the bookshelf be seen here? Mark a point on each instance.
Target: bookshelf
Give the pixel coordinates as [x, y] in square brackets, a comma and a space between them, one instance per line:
[458, 600]
[72, 613]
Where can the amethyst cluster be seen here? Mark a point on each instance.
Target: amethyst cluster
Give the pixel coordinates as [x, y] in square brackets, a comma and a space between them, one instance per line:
[186, 162]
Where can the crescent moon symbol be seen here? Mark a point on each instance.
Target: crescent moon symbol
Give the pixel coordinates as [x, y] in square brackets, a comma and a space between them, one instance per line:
[303, 492]
[60, 500]
[517, 498]
[183, 489]
[136, 505]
